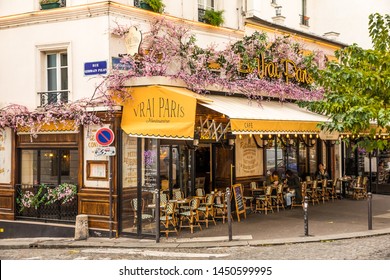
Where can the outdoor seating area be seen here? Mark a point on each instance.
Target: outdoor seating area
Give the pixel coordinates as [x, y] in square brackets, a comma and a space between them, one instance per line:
[203, 210]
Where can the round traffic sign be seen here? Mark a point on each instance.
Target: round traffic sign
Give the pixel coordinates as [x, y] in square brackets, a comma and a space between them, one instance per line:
[104, 136]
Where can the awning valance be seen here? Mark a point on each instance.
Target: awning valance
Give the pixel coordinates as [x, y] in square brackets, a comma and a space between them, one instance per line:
[266, 117]
[68, 126]
[161, 112]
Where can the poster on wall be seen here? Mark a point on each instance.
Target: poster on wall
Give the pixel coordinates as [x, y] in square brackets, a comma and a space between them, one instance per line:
[5, 155]
[129, 164]
[249, 158]
[90, 146]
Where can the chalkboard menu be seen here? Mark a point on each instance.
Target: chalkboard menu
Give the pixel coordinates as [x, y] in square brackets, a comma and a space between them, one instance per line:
[150, 177]
[239, 200]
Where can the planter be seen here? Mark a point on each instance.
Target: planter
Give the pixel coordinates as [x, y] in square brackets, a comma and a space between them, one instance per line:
[50, 6]
[145, 6]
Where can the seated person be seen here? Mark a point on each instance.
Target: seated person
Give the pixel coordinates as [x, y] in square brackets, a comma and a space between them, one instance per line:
[321, 172]
[294, 188]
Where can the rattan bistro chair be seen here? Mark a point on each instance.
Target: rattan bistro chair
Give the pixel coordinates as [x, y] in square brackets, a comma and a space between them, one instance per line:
[278, 199]
[144, 216]
[206, 210]
[168, 219]
[264, 202]
[191, 216]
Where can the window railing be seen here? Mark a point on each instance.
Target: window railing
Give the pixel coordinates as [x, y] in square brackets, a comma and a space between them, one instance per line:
[58, 212]
[53, 97]
[202, 10]
[304, 20]
[201, 13]
[137, 3]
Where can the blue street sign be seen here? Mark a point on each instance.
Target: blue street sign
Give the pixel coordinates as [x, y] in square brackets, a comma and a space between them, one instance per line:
[95, 68]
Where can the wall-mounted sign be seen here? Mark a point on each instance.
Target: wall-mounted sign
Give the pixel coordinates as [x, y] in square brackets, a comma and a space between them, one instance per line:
[285, 68]
[105, 151]
[95, 68]
[326, 135]
[133, 40]
[118, 64]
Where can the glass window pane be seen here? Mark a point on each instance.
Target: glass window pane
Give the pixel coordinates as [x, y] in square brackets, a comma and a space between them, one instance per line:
[51, 79]
[51, 60]
[29, 172]
[64, 59]
[64, 78]
[49, 167]
[150, 158]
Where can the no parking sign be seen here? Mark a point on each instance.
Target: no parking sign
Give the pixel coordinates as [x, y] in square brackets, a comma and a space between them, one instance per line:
[104, 136]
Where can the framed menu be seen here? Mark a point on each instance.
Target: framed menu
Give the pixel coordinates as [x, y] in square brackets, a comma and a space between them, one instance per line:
[97, 170]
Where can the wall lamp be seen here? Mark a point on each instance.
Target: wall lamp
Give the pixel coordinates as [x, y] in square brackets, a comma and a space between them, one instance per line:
[195, 142]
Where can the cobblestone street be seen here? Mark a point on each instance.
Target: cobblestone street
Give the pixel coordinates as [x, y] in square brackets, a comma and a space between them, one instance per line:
[368, 248]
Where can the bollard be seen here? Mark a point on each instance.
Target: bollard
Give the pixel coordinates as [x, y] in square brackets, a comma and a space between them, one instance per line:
[81, 229]
[229, 213]
[305, 216]
[369, 196]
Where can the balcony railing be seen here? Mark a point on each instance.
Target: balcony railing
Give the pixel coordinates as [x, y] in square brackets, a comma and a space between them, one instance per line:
[53, 97]
[304, 20]
[201, 13]
[56, 212]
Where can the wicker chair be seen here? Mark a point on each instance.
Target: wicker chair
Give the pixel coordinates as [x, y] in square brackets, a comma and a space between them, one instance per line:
[168, 219]
[191, 216]
[206, 210]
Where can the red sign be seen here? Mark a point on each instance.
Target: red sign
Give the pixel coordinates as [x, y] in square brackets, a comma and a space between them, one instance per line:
[104, 136]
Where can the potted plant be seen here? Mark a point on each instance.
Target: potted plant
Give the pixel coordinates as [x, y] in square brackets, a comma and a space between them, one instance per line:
[49, 4]
[214, 17]
[153, 5]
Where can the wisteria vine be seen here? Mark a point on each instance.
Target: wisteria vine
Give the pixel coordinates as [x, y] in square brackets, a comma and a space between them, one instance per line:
[170, 50]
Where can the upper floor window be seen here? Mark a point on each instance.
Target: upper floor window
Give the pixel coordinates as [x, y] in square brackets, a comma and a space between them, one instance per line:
[56, 76]
[51, 4]
[204, 5]
[304, 19]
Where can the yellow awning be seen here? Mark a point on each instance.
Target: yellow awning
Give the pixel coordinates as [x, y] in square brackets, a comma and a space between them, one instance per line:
[161, 112]
[266, 117]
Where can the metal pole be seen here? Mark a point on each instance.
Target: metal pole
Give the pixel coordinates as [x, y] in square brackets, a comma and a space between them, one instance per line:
[369, 164]
[305, 216]
[156, 213]
[231, 174]
[110, 198]
[369, 195]
[229, 212]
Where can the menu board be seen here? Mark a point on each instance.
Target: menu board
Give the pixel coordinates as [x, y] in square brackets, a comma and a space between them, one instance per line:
[249, 158]
[239, 200]
[129, 166]
[150, 175]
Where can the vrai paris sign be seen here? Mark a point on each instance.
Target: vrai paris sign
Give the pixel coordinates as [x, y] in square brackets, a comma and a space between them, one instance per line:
[285, 68]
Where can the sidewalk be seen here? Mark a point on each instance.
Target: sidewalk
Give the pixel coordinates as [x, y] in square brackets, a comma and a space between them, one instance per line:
[340, 219]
